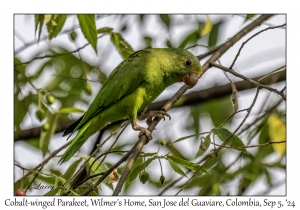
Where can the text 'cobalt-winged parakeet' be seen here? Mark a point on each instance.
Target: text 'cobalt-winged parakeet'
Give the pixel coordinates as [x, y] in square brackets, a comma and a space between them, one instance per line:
[130, 88]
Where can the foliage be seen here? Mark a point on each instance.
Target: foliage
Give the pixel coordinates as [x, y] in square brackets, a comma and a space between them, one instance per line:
[56, 83]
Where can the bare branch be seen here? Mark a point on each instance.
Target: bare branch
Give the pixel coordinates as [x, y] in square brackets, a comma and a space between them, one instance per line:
[247, 79]
[44, 162]
[237, 55]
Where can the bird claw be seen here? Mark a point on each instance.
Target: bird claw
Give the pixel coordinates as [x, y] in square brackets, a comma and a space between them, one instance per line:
[149, 115]
[147, 133]
[144, 131]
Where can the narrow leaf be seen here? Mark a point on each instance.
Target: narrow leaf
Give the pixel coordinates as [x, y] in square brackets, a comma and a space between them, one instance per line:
[186, 163]
[135, 172]
[277, 132]
[214, 34]
[176, 168]
[96, 167]
[70, 110]
[191, 38]
[207, 27]
[69, 173]
[104, 30]
[235, 142]
[39, 21]
[88, 28]
[187, 137]
[121, 45]
[165, 19]
[46, 135]
[55, 24]
[93, 167]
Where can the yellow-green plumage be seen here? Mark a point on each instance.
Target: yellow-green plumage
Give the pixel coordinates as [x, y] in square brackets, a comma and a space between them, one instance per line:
[130, 88]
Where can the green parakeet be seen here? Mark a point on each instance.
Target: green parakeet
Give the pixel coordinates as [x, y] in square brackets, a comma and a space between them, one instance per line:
[130, 88]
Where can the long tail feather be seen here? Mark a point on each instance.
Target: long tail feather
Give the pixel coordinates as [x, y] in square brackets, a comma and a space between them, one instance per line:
[77, 142]
[71, 128]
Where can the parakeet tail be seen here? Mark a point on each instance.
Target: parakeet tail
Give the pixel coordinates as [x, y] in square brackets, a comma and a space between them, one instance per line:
[77, 142]
[71, 128]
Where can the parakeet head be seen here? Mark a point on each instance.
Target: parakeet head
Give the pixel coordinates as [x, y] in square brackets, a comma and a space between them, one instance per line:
[183, 66]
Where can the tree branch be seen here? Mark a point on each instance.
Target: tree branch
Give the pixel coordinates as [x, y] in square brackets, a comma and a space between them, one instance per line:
[196, 97]
[247, 79]
[181, 91]
[43, 162]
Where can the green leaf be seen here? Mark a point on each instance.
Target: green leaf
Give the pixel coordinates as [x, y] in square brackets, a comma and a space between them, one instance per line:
[186, 163]
[121, 45]
[235, 142]
[249, 16]
[96, 167]
[33, 142]
[70, 110]
[176, 168]
[52, 192]
[20, 68]
[135, 172]
[204, 145]
[39, 21]
[165, 19]
[207, 28]
[21, 107]
[93, 167]
[190, 136]
[51, 180]
[46, 135]
[69, 173]
[175, 151]
[274, 71]
[54, 24]
[267, 176]
[104, 30]
[214, 34]
[191, 38]
[88, 28]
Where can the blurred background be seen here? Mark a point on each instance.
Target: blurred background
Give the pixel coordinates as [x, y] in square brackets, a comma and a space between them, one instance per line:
[60, 76]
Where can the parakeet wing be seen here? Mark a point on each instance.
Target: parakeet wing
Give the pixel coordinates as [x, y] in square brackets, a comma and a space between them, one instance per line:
[122, 81]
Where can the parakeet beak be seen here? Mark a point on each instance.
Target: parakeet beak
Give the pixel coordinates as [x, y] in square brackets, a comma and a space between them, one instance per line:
[191, 79]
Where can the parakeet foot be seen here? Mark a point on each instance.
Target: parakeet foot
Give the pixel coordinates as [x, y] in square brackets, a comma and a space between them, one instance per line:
[144, 131]
[149, 115]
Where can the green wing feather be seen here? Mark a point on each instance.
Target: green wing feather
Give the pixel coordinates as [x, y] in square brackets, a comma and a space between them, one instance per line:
[122, 81]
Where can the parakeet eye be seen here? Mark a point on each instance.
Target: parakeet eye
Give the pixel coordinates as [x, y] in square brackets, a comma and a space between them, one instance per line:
[188, 62]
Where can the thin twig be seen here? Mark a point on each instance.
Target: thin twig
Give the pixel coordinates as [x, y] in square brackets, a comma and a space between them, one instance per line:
[247, 79]
[98, 174]
[211, 51]
[198, 45]
[43, 163]
[109, 171]
[245, 42]
[250, 146]
[53, 56]
[107, 150]
[224, 143]
[82, 167]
